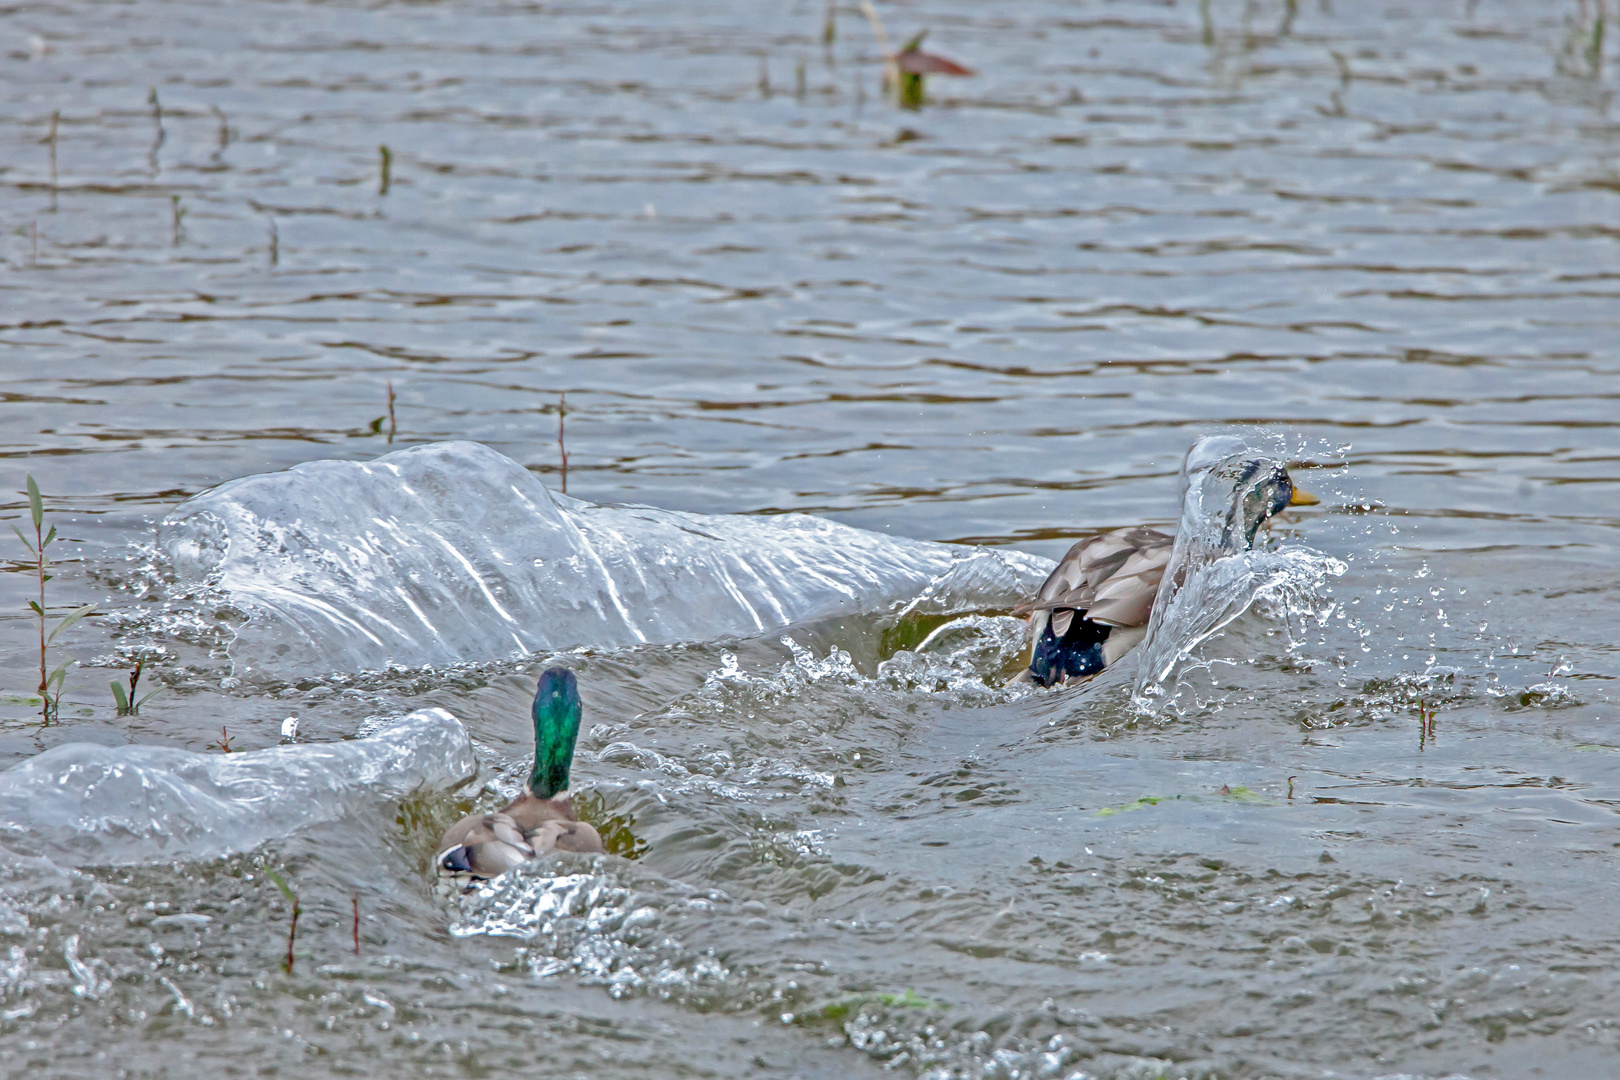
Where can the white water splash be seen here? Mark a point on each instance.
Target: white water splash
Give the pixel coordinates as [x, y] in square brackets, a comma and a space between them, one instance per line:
[86, 804]
[451, 552]
[1208, 584]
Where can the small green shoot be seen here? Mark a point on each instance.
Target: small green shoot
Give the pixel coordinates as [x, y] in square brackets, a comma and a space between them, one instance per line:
[1426, 726]
[128, 704]
[292, 898]
[50, 703]
[385, 169]
[224, 135]
[158, 134]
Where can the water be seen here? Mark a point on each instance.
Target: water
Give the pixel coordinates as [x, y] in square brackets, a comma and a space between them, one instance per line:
[1386, 233]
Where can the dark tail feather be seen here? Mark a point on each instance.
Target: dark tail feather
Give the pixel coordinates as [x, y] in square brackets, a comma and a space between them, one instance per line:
[1075, 655]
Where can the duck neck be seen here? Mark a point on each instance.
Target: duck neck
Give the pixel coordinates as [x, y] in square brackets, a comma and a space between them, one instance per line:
[1253, 499]
[556, 727]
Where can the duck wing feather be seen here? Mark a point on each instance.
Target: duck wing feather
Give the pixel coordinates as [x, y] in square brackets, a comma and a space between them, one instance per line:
[1111, 578]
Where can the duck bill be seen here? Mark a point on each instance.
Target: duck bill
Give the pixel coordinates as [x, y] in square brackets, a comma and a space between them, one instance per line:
[1301, 497]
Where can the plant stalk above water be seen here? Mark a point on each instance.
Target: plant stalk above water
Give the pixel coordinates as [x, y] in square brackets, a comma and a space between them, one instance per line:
[292, 898]
[50, 705]
[562, 447]
[128, 704]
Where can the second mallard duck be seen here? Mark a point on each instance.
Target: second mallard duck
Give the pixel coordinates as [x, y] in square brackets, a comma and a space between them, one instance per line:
[541, 819]
[1094, 608]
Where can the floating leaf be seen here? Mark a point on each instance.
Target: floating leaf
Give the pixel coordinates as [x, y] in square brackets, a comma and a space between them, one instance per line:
[916, 62]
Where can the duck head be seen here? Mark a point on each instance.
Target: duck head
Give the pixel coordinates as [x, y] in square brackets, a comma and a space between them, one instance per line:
[556, 727]
[1260, 490]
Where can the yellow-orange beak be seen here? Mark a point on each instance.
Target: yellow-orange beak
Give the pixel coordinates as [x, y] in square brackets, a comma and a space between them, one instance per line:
[1301, 497]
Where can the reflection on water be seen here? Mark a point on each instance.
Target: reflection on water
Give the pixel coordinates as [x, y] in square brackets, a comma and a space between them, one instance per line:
[1387, 232]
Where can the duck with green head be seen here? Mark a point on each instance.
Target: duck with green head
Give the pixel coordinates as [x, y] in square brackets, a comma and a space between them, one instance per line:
[1095, 607]
[541, 819]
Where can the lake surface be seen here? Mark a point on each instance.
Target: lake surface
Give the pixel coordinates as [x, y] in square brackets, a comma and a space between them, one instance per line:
[1389, 233]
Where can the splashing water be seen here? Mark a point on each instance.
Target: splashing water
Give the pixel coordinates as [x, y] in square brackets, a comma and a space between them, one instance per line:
[1208, 584]
[450, 551]
[85, 804]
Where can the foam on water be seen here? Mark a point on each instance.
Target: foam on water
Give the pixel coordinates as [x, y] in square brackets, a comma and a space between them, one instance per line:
[86, 804]
[450, 551]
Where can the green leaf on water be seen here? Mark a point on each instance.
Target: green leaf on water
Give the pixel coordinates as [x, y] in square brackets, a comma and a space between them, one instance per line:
[36, 505]
[69, 619]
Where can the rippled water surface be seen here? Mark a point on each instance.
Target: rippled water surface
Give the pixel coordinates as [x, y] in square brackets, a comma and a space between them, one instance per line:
[1386, 232]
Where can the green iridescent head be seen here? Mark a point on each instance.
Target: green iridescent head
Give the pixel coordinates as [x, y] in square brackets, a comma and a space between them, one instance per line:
[1260, 490]
[556, 727]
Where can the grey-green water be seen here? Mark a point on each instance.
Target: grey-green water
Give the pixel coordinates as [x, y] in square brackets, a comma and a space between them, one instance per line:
[1388, 231]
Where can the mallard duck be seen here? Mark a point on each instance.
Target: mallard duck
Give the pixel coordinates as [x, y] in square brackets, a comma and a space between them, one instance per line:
[1095, 607]
[541, 819]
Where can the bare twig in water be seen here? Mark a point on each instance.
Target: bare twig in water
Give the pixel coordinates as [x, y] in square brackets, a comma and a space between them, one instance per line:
[1291, 780]
[357, 924]
[562, 447]
[292, 898]
[390, 412]
[50, 141]
[177, 225]
[224, 131]
[385, 168]
[878, 31]
[224, 742]
[158, 134]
